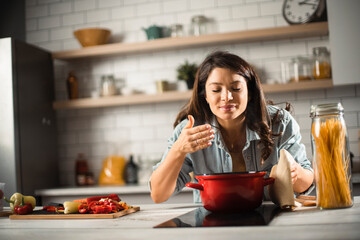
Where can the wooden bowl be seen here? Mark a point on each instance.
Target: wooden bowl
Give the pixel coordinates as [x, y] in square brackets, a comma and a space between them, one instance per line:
[92, 36]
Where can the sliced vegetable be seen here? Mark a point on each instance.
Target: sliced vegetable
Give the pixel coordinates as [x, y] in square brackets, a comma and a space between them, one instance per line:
[97, 198]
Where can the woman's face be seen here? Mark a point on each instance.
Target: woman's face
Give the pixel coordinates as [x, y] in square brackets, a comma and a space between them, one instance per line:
[226, 93]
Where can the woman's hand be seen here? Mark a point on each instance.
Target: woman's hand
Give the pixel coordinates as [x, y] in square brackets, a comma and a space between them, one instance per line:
[192, 138]
[294, 169]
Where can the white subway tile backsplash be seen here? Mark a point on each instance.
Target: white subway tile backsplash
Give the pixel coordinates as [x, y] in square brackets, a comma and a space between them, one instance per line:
[142, 134]
[245, 11]
[31, 25]
[155, 119]
[84, 5]
[231, 26]
[60, 8]
[261, 22]
[72, 19]
[96, 16]
[49, 22]
[351, 104]
[51, 46]
[340, 91]
[351, 119]
[201, 4]
[263, 52]
[36, 11]
[103, 122]
[90, 137]
[128, 120]
[110, 3]
[61, 33]
[148, 9]
[311, 94]
[292, 49]
[174, 6]
[136, 24]
[37, 37]
[218, 14]
[123, 12]
[271, 8]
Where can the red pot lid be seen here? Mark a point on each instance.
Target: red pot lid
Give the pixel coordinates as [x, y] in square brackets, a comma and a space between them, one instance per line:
[228, 175]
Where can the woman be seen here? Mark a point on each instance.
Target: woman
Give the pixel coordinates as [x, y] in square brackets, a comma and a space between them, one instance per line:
[227, 127]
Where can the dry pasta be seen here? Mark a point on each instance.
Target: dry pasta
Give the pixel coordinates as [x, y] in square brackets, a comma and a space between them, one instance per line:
[332, 163]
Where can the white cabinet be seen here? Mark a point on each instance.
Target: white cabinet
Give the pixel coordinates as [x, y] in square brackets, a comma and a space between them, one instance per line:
[344, 36]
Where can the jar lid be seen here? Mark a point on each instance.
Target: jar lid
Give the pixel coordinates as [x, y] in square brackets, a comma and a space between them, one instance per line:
[326, 109]
[198, 19]
[318, 50]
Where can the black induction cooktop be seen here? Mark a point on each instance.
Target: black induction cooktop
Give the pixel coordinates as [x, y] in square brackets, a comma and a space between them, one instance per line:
[201, 217]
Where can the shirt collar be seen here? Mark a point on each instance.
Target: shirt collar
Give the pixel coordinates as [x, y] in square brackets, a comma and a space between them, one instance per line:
[250, 134]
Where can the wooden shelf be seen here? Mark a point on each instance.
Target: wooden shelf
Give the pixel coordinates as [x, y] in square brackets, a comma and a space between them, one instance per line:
[178, 96]
[268, 34]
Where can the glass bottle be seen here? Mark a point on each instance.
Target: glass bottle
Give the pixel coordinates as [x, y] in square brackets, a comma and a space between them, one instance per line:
[321, 66]
[72, 86]
[198, 25]
[131, 171]
[331, 155]
[108, 87]
[81, 170]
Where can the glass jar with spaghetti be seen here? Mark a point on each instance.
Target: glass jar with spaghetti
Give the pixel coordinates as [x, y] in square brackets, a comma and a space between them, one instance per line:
[331, 156]
[322, 67]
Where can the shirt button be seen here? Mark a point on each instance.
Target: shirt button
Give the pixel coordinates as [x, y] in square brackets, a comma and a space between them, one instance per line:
[248, 157]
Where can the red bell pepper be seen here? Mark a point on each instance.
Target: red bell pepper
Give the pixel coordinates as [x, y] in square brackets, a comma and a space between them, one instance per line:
[97, 198]
[23, 208]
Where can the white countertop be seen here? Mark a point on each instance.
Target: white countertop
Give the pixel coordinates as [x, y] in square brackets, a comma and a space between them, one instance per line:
[308, 224]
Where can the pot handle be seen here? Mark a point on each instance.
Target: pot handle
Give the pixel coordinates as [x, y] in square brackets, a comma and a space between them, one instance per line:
[268, 181]
[195, 186]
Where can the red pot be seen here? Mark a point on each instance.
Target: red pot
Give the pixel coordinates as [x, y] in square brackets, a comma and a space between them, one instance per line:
[229, 192]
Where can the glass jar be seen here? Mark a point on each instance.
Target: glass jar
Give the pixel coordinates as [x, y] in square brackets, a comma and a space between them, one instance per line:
[300, 69]
[330, 148]
[107, 87]
[198, 25]
[321, 66]
[176, 30]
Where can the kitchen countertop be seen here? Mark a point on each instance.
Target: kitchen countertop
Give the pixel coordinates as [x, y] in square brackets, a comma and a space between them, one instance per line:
[307, 224]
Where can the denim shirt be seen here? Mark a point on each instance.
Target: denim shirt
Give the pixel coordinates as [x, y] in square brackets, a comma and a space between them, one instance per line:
[217, 159]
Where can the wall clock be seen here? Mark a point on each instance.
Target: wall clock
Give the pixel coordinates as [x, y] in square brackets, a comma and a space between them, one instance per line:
[304, 11]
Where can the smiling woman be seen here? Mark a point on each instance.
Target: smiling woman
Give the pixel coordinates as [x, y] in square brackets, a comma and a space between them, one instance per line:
[228, 127]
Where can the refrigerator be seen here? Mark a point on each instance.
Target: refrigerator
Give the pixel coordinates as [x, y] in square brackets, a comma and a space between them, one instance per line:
[28, 141]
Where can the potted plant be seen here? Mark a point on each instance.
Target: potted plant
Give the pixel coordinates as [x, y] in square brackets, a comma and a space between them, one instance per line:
[187, 73]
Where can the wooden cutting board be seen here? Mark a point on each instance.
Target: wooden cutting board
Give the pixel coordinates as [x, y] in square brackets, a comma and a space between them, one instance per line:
[36, 215]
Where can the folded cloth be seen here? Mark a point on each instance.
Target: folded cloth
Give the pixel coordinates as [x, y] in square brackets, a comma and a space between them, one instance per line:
[281, 192]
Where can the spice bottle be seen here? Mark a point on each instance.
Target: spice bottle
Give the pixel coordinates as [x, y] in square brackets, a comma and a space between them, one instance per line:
[131, 171]
[321, 67]
[81, 170]
[72, 86]
[331, 156]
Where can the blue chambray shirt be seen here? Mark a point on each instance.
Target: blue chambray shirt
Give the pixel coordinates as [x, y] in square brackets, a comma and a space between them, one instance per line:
[217, 159]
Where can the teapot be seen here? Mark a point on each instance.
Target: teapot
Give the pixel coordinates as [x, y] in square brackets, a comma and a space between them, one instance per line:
[153, 32]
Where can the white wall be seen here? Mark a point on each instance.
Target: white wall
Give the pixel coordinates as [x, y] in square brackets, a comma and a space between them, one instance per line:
[144, 129]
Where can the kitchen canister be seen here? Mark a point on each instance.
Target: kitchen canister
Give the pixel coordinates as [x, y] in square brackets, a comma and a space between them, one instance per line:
[331, 156]
[321, 66]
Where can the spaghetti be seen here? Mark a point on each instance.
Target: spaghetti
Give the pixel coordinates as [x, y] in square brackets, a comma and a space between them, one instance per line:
[332, 164]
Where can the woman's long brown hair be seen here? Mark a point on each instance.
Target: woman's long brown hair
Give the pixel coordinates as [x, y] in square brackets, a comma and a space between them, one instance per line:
[257, 117]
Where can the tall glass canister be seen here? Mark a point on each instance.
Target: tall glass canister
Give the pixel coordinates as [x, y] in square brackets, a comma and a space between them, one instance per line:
[331, 156]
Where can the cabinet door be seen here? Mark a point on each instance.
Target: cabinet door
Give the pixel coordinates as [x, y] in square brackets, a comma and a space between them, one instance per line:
[344, 36]
[36, 128]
